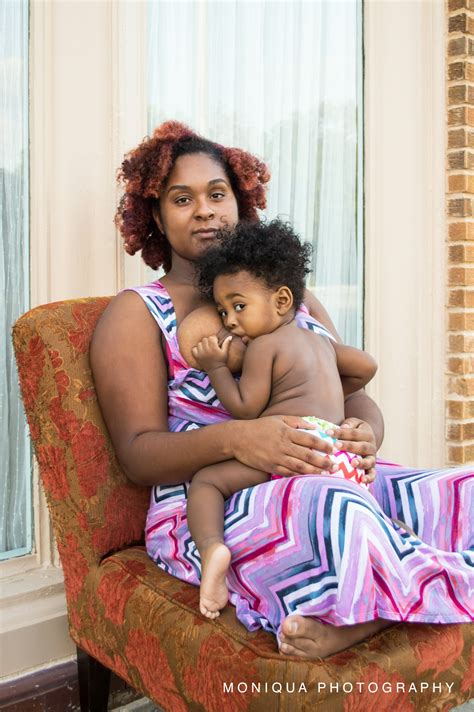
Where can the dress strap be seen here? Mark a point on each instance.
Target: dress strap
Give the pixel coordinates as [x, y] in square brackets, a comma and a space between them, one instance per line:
[306, 321]
[160, 305]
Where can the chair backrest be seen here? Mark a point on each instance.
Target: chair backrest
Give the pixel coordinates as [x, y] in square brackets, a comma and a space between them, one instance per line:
[94, 508]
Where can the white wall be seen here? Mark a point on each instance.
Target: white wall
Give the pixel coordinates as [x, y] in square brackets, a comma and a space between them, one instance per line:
[404, 239]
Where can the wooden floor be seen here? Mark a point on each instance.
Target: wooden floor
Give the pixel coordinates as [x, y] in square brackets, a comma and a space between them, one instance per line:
[56, 690]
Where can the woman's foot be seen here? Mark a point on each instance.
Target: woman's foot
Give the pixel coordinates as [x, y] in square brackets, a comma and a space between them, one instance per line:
[309, 638]
[214, 594]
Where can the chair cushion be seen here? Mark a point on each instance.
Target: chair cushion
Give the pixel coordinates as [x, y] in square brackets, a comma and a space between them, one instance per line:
[145, 625]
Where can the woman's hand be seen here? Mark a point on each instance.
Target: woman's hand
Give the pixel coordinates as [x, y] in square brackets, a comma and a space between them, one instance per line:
[278, 444]
[356, 436]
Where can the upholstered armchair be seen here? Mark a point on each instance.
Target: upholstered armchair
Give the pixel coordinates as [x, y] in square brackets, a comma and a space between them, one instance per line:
[129, 616]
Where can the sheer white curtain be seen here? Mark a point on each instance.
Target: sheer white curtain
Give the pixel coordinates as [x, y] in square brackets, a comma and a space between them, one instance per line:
[281, 79]
[15, 482]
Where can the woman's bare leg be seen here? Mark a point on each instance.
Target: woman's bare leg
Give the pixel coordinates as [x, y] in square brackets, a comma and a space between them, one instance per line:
[309, 638]
[205, 513]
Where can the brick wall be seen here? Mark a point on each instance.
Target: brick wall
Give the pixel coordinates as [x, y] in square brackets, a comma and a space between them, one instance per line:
[460, 231]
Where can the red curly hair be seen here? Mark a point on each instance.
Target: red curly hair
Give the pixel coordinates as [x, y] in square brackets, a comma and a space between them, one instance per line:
[145, 171]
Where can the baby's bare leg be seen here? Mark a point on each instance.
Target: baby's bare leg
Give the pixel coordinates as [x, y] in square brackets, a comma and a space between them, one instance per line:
[205, 512]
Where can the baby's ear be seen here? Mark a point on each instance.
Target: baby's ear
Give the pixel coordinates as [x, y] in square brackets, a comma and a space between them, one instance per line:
[283, 300]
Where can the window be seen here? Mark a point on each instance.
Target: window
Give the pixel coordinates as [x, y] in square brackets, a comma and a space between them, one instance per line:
[15, 484]
[283, 80]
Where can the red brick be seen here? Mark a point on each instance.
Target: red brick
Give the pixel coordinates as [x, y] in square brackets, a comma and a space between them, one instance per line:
[457, 138]
[461, 253]
[467, 431]
[461, 70]
[461, 116]
[461, 23]
[460, 454]
[463, 183]
[460, 431]
[462, 47]
[454, 5]
[460, 208]
[457, 94]
[461, 343]
[460, 365]
[457, 71]
[461, 93]
[461, 298]
[459, 160]
[460, 409]
[461, 231]
[461, 386]
[457, 46]
[461, 276]
[461, 321]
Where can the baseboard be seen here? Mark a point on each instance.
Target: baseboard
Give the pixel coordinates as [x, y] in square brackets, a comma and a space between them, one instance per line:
[55, 689]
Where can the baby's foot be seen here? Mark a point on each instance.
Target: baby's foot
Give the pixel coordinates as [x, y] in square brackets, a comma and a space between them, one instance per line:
[214, 594]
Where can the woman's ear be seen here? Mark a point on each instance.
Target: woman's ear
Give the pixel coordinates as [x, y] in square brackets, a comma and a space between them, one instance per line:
[283, 300]
[157, 216]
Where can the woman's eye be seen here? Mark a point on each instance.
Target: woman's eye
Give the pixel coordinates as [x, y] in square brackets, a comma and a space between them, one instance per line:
[216, 196]
[239, 307]
[183, 200]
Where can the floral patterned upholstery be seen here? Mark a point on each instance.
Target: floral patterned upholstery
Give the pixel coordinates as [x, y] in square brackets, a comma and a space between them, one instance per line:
[145, 625]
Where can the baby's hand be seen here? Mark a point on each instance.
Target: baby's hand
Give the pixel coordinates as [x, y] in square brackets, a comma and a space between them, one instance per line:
[209, 354]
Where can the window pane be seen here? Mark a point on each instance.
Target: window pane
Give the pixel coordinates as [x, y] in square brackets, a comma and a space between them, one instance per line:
[15, 479]
[281, 79]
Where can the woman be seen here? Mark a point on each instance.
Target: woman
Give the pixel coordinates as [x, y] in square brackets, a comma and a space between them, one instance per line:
[315, 560]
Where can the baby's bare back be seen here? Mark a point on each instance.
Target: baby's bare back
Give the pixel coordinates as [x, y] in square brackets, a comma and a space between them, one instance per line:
[305, 378]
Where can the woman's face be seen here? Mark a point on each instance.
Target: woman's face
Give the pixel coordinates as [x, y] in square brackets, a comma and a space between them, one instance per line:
[196, 202]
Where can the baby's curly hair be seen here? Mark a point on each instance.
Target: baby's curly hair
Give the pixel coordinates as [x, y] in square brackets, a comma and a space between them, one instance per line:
[145, 171]
[271, 251]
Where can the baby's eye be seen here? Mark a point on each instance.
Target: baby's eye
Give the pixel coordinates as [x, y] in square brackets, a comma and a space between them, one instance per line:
[239, 307]
[222, 313]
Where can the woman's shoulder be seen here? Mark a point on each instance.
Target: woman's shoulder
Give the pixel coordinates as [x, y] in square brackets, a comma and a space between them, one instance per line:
[148, 300]
[152, 289]
[125, 314]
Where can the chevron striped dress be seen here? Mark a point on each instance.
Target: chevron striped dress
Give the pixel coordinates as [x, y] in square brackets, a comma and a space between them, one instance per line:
[320, 546]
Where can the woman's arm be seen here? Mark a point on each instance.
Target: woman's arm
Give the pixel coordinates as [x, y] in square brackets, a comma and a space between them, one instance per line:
[130, 374]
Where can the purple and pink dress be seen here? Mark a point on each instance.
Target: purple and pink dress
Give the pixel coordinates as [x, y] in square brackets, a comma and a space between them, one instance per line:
[320, 546]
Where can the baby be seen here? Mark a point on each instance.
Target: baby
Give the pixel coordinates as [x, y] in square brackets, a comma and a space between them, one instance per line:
[256, 276]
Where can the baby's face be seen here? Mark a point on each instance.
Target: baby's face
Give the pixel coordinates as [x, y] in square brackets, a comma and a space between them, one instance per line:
[246, 305]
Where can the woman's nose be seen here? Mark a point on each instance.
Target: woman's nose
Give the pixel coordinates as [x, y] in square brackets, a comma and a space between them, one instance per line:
[203, 210]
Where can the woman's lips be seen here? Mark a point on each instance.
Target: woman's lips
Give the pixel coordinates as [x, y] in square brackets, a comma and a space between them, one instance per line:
[205, 233]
